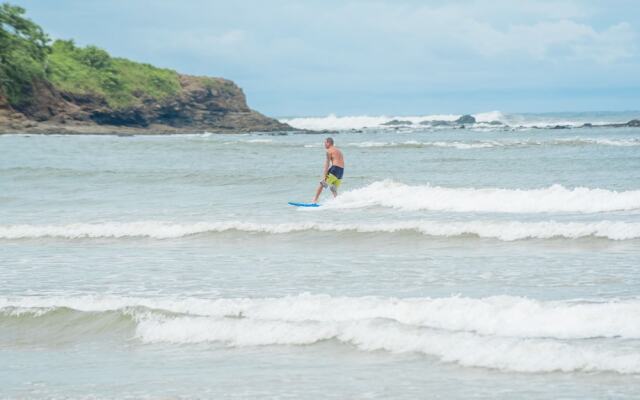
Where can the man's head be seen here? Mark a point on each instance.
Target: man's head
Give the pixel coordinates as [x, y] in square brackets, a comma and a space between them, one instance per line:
[328, 142]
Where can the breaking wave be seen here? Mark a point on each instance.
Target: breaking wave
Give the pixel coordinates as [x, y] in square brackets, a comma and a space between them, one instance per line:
[489, 120]
[555, 198]
[334, 122]
[501, 230]
[501, 332]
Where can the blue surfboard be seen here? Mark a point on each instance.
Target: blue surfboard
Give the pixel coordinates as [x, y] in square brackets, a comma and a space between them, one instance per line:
[293, 203]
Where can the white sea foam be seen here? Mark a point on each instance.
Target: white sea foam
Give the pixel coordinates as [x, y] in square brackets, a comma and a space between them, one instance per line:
[334, 122]
[466, 349]
[502, 332]
[501, 230]
[610, 142]
[258, 141]
[414, 143]
[483, 121]
[555, 198]
[485, 144]
[582, 141]
[492, 316]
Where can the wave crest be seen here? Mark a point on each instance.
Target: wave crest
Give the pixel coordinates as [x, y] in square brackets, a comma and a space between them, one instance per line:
[555, 198]
[501, 230]
[501, 332]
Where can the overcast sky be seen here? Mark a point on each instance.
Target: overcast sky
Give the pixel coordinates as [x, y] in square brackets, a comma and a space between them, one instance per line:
[296, 57]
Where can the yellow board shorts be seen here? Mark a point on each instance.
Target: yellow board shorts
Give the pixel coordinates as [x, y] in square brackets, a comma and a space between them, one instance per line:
[332, 180]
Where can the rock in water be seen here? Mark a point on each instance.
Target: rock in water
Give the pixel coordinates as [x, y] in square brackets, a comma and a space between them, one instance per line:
[466, 119]
[397, 122]
[436, 123]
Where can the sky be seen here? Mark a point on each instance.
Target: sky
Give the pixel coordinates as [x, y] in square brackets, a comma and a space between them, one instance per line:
[385, 57]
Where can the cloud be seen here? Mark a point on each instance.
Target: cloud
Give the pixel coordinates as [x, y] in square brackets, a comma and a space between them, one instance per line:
[618, 42]
[198, 40]
[566, 39]
[544, 30]
[321, 52]
[341, 35]
[229, 38]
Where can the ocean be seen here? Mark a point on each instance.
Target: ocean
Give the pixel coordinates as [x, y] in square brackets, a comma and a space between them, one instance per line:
[498, 261]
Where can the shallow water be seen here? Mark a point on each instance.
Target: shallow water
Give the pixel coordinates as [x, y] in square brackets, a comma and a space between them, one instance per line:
[455, 264]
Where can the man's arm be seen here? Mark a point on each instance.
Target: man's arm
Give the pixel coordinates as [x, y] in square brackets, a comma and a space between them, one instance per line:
[326, 166]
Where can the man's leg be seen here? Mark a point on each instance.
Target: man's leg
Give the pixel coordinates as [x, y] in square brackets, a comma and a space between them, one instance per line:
[320, 187]
[334, 191]
[333, 185]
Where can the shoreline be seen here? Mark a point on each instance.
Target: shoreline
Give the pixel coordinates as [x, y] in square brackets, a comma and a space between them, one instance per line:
[40, 128]
[35, 128]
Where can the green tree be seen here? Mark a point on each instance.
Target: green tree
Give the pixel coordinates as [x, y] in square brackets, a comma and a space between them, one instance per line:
[94, 57]
[23, 53]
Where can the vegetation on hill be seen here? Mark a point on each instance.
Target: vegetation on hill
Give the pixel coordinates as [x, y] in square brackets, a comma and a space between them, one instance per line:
[121, 82]
[26, 54]
[23, 54]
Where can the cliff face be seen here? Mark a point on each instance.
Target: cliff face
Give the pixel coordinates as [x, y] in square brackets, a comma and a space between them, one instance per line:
[9, 119]
[201, 104]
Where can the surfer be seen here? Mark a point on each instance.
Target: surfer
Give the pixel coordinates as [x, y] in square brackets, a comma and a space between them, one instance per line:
[333, 169]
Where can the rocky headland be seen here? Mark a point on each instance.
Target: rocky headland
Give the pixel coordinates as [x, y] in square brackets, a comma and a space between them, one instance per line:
[62, 88]
[201, 104]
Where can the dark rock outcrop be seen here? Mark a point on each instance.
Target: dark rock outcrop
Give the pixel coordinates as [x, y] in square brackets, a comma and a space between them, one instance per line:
[395, 122]
[4, 104]
[202, 104]
[466, 119]
[9, 118]
[436, 123]
[634, 123]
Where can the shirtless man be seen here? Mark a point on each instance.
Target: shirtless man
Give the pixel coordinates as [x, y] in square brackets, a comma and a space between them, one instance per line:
[333, 169]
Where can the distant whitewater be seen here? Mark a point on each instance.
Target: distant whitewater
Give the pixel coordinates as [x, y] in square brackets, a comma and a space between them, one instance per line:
[493, 120]
[360, 122]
